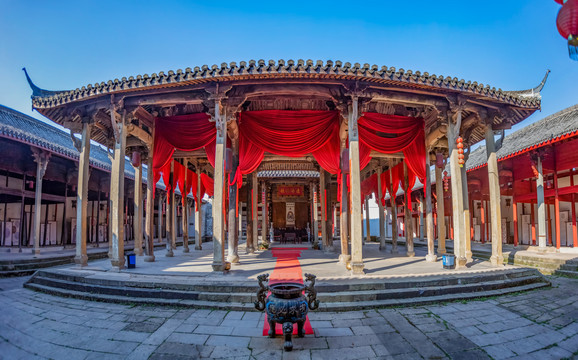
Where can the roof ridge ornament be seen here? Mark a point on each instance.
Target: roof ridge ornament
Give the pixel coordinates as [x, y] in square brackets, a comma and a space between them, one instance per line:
[36, 91]
[533, 92]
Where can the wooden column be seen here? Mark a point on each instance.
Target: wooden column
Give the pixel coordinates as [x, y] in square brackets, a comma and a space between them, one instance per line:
[233, 229]
[541, 205]
[515, 218]
[315, 207]
[255, 197]
[497, 259]
[392, 198]
[169, 228]
[41, 159]
[80, 258]
[421, 220]
[381, 212]
[356, 233]
[218, 214]
[408, 219]
[264, 217]
[22, 212]
[173, 205]
[97, 214]
[63, 236]
[117, 191]
[322, 199]
[367, 226]
[457, 193]
[138, 204]
[160, 217]
[150, 210]
[199, 213]
[185, 201]
[344, 257]
[429, 223]
[467, 214]
[250, 214]
[557, 210]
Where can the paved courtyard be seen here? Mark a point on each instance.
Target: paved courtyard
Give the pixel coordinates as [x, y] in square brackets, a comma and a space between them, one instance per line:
[541, 324]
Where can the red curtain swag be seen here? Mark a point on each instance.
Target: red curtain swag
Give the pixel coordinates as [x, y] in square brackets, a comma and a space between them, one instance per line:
[410, 138]
[183, 132]
[288, 133]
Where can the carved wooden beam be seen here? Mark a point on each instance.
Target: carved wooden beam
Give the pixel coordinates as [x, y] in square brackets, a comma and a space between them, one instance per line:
[377, 154]
[140, 134]
[144, 116]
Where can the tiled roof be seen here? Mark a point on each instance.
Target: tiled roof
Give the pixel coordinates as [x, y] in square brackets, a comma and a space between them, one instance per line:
[543, 132]
[23, 128]
[284, 69]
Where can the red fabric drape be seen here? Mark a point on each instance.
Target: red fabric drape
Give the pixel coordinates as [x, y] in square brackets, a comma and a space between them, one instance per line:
[207, 185]
[288, 133]
[183, 132]
[409, 138]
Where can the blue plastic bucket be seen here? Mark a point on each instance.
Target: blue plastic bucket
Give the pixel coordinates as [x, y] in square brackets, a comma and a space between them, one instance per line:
[449, 261]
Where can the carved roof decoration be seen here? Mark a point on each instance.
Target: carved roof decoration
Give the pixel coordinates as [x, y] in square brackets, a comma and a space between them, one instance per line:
[290, 69]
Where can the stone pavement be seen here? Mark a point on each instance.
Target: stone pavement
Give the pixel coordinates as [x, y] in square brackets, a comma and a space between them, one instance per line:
[542, 324]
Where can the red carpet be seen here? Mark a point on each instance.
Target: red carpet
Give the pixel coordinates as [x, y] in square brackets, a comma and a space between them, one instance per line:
[287, 268]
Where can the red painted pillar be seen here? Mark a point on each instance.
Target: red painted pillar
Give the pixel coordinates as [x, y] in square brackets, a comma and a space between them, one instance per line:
[557, 209]
[549, 224]
[483, 221]
[515, 210]
[451, 227]
[574, 233]
[532, 215]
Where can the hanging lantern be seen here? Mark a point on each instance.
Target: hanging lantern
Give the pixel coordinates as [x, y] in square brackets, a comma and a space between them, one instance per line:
[567, 23]
[440, 160]
[446, 181]
[136, 159]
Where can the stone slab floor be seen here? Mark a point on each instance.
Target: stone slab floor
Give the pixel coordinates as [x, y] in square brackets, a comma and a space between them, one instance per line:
[541, 324]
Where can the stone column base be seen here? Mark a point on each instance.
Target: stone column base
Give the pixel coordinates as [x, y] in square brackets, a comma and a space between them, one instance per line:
[382, 248]
[497, 260]
[198, 247]
[461, 262]
[431, 258]
[233, 259]
[344, 259]
[441, 251]
[169, 252]
[149, 258]
[81, 260]
[357, 269]
[224, 266]
[410, 253]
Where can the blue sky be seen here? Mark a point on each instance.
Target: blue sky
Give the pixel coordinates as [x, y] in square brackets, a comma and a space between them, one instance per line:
[67, 44]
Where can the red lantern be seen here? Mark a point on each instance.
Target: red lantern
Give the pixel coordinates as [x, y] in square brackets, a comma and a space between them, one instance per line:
[446, 181]
[136, 158]
[567, 22]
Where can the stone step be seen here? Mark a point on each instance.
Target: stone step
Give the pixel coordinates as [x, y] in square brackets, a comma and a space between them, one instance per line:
[362, 305]
[220, 296]
[334, 306]
[569, 273]
[244, 287]
[356, 296]
[141, 301]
